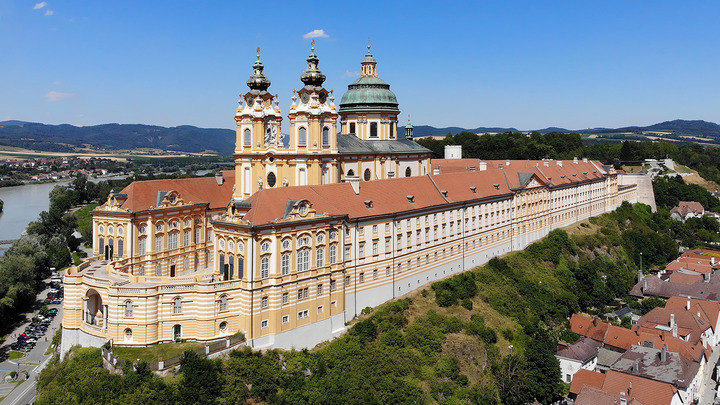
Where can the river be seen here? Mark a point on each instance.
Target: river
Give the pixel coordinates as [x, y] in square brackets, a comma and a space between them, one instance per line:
[23, 204]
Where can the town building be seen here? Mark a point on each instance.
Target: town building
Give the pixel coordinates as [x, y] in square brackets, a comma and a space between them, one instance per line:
[312, 227]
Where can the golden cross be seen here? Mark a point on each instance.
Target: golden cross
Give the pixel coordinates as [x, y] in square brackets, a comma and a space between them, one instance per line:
[258, 52]
[312, 45]
[368, 44]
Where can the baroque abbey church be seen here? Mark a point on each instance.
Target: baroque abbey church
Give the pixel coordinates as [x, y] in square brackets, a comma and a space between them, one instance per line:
[312, 226]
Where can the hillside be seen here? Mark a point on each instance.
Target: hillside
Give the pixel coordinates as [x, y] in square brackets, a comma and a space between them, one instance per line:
[669, 129]
[67, 138]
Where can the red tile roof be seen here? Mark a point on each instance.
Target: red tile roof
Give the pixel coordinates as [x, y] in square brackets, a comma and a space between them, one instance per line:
[584, 325]
[644, 390]
[586, 377]
[686, 207]
[596, 396]
[142, 195]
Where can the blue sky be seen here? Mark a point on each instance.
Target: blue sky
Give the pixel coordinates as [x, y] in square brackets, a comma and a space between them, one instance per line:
[527, 64]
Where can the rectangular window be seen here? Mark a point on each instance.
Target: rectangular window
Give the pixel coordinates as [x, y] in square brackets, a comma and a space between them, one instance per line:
[173, 241]
[197, 235]
[333, 304]
[285, 298]
[285, 319]
[186, 237]
[264, 323]
[300, 294]
[352, 127]
[387, 245]
[387, 271]
[361, 249]
[347, 252]
[332, 285]
[375, 248]
[158, 243]
[320, 309]
[374, 274]
[374, 229]
[347, 280]
[141, 246]
[362, 277]
[303, 314]
[264, 267]
[387, 227]
[373, 129]
[361, 230]
[319, 289]
[264, 302]
[306, 292]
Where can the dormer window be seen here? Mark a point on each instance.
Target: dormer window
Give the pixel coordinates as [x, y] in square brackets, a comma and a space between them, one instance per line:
[368, 203]
[444, 193]
[473, 189]
[411, 198]
[303, 209]
[497, 186]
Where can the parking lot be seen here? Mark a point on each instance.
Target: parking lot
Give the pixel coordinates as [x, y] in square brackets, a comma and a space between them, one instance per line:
[23, 353]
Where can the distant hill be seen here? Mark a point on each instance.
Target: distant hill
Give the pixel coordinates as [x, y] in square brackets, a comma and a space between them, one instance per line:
[65, 137]
[676, 129]
[187, 138]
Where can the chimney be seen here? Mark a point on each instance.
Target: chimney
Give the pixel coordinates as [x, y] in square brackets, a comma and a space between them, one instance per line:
[687, 305]
[483, 166]
[585, 159]
[546, 163]
[640, 275]
[663, 353]
[635, 369]
[644, 288]
[706, 277]
[219, 178]
[507, 163]
[575, 160]
[559, 163]
[672, 320]
[629, 390]
[712, 260]
[595, 321]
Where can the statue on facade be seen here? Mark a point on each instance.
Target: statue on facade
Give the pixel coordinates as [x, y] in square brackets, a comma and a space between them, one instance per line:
[270, 134]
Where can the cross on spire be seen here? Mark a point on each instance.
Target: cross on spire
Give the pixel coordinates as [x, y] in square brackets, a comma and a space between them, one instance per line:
[312, 45]
[258, 52]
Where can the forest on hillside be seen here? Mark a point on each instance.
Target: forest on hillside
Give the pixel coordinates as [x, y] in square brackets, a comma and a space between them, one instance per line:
[555, 145]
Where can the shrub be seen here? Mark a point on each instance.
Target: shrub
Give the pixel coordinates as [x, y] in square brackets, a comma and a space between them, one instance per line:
[467, 304]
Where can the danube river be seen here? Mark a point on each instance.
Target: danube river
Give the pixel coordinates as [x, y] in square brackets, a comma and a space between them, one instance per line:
[23, 204]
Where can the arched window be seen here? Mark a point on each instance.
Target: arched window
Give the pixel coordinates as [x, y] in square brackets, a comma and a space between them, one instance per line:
[128, 334]
[128, 309]
[408, 172]
[320, 256]
[223, 303]
[326, 136]
[120, 247]
[303, 259]
[271, 179]
[285, 264]
[302, 136]
[248, 138]
[367, 175]
[351, 173]
[265, 267]
[177, 305]
[373, 130]
[102, 246]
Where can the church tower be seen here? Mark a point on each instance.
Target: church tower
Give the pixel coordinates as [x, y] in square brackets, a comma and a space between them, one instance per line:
[258, 135]
[369, 109]
[313, 128]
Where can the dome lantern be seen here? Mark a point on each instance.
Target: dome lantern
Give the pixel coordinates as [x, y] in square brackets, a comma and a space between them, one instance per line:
[258, 81]
[313, 77]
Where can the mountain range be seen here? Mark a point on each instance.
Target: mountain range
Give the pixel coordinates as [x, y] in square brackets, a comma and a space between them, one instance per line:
[187, 138]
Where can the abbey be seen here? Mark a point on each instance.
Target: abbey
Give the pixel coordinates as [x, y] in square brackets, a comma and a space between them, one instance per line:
[311, 226]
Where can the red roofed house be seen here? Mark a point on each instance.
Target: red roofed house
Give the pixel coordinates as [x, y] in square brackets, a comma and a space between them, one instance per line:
[687, 209]
[311, 226]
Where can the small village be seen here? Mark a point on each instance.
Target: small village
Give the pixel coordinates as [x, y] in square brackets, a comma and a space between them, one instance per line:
[668, 355]
[14, 171]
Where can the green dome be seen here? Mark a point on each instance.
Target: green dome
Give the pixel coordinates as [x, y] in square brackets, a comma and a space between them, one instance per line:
[369, 92]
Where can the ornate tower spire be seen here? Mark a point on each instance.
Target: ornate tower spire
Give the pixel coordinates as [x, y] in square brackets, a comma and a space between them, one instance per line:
[258, 81]
[409, 130]
[313, 77]
[369, 64]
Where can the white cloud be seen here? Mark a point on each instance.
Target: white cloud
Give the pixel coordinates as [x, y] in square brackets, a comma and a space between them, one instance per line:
[351, 74]
[53, 96]
[57, 83]
[316, 34]
[49, 12]
[38, 6]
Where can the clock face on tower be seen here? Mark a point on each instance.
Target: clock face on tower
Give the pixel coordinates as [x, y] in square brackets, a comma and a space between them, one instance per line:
[305, 97]
[322, 98]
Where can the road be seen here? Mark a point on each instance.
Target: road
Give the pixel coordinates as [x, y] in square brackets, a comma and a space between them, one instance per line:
[33, 362]
[707, 390]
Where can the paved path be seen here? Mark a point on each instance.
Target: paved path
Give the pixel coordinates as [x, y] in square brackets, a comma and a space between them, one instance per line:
[33, 362]
[707, 390]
